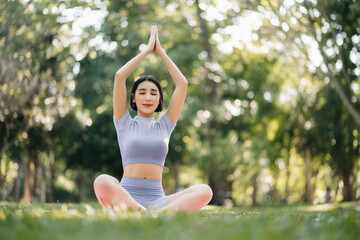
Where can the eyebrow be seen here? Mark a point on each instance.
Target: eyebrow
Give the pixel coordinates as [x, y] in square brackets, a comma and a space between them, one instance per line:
[144, 89]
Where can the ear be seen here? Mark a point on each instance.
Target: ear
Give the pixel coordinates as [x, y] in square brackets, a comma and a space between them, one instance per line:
[133, 97]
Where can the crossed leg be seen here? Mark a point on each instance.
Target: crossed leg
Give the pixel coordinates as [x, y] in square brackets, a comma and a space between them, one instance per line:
[191, 199]
[109, 192]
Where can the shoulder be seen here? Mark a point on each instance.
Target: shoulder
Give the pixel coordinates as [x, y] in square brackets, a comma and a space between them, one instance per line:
[124, 120]
[165, 123]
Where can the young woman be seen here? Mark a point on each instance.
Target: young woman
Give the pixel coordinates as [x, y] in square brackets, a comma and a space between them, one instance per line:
[144, 142]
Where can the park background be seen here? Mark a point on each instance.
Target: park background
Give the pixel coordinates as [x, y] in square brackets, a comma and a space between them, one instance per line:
[272, 114]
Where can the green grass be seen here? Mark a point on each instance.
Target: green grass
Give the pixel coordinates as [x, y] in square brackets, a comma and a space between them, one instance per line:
[89, 221]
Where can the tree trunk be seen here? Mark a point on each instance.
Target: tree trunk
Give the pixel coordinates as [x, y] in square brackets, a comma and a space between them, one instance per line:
[4, 163]
[222, 190]
[212, 97]
[2, 182]
[176, 175]
[2, 188]
[18, 185]
[275, 193]
[82, 193]
[275, 196]
[81, 180]
[347, 188]
[52, 177]
[3, 193]
[287, 191]
[43, 182]
[2, 160]
[30, 177]
[308, 177]
[254, 194]
[28, 181]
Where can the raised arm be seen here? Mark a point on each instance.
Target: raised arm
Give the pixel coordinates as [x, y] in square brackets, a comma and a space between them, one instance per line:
[119, 94]
[178, 98]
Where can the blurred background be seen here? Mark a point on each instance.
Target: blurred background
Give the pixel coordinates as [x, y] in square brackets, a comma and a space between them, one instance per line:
[272, 114]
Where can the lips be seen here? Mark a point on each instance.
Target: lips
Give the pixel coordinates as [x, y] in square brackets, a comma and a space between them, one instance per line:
[147, 105]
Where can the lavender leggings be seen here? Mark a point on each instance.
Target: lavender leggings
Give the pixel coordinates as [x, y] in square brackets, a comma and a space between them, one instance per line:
[147, 192]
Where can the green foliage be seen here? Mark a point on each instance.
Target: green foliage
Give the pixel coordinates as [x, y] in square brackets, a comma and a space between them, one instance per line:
[87, 221]
[36, 82]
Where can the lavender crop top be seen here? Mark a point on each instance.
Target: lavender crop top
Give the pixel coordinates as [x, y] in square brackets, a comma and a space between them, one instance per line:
[142, 139]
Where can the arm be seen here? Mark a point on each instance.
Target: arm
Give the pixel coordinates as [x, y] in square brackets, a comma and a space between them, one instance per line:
[178, 98]
[119, 94]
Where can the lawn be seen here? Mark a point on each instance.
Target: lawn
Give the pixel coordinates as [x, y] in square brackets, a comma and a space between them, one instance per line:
[89, 221]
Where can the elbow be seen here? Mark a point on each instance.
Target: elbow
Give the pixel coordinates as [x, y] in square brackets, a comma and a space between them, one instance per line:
[182, 83]
[119, 75]
[186, 83]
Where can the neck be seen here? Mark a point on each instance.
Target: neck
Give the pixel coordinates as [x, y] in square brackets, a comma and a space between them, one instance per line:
[147, 115]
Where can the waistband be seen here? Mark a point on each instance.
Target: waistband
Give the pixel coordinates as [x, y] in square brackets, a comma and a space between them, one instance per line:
[136, 182]
[148, 159]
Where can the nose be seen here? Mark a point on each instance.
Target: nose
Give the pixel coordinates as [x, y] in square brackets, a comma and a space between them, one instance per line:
[147, 97]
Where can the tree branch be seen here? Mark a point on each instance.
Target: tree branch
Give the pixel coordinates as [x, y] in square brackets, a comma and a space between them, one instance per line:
[335, 84]
[326, 15]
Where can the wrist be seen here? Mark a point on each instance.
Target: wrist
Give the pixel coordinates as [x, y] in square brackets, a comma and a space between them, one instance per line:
[145, 51]
[161, 52]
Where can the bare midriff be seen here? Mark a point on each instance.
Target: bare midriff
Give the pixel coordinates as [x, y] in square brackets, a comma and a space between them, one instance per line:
[143, 170]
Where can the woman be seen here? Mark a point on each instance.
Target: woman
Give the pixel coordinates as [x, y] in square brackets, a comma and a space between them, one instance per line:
[144, 142]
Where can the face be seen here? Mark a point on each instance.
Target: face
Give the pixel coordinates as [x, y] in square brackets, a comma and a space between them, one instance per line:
[146, 98]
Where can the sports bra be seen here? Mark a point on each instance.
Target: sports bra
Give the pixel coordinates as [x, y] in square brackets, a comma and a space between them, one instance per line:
[143, 139]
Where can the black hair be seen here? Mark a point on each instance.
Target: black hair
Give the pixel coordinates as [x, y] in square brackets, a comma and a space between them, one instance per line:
[137, 83]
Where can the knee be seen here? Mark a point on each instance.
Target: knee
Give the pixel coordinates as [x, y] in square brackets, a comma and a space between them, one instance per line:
[101, 182]
[206, 192]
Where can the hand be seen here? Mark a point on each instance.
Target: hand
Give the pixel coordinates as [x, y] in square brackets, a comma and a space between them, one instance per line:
[158, 49]
[151, 45]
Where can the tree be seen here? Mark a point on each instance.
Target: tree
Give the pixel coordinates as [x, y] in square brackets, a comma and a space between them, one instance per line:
[323, 30]
[36, 80]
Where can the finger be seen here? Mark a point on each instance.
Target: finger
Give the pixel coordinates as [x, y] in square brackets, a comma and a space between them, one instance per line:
[153, 30]
[157, 37]
[152, 34]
